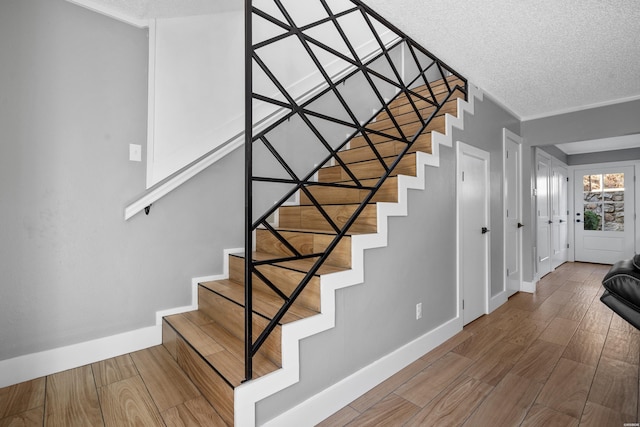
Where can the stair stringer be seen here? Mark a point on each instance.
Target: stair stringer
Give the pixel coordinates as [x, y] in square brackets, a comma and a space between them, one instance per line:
[248, 394]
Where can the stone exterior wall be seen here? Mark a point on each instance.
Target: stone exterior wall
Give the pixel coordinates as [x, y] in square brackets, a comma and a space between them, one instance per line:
[607, 205]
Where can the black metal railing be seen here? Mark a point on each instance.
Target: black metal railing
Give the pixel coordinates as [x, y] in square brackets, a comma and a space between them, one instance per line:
[389, 66]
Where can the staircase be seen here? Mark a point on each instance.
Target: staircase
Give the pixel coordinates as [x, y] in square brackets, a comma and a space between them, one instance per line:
[209, 343]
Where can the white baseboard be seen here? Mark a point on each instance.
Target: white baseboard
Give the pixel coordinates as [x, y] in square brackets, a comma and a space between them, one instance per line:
[35, 365]
[529, 287]
[497, 301]
[332, 399]
[249, 393]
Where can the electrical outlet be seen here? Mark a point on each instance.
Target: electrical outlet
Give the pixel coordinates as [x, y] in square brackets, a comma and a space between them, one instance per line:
[419, 311]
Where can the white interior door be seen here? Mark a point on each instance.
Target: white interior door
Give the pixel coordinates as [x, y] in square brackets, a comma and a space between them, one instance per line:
[560, 216]
[473, 214]
[604, 214]
[513, 212]
[543, 213]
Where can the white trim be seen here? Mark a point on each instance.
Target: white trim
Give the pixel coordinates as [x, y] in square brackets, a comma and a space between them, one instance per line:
[538, 154]
[151, 104]
[497, 300]
[635, 164]
[502, 104]
[462, 147]
[35, 365]
[101, 8]
[507, 134]
[181, 177]
[248, 394]
[332, 399]
[529, 287]
[172, 182]
[525, 118]
[557, 164]
[581, 108]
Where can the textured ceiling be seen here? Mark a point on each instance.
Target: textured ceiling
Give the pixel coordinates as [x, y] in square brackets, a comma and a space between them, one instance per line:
[536, 57]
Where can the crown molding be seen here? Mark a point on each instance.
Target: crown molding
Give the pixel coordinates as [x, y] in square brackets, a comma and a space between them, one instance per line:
[581, 108]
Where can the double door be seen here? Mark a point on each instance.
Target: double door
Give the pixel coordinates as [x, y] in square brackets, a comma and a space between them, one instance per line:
[552, 243]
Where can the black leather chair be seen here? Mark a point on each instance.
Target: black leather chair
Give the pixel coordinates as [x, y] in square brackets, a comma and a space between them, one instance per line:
[622, 290]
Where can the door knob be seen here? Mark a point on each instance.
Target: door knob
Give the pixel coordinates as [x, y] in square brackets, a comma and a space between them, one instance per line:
[485, 230]
[561, 221]
[577, 220]
[550, 222]
[520, 225]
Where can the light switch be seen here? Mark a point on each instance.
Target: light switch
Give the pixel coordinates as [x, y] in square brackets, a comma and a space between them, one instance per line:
[135, 152]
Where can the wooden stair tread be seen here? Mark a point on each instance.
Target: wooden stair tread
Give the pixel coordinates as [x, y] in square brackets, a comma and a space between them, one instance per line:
[221, 349]
[336, 196]
[235, 347]
[436, 124]
[313, 231]
[384, 122]
[437, 87]
[300, 265]
[264, 304]
[295, 216]
[401, 104]
[385, 149]
[213, 334]
[368, 169]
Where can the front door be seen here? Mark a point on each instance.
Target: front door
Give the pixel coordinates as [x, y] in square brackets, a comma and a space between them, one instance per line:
[604, 214]
[473, 214]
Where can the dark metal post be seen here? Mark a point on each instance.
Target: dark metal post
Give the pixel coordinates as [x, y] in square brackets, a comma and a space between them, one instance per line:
[248, 205]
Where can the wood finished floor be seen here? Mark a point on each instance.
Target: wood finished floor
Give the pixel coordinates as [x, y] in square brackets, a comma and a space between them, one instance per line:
[555, 358]
[558, 357]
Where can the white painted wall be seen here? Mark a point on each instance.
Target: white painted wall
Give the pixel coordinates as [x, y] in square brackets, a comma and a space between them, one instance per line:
[196, 89]
[196, 78]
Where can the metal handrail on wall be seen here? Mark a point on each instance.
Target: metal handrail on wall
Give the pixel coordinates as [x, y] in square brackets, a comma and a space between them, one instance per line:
[427, 70]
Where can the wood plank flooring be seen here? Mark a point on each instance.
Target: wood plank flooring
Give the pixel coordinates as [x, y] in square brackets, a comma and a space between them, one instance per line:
[145, 388]
[558, 357]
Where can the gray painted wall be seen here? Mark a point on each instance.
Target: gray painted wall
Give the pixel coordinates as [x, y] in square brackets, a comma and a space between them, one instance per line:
[484, 131]
[554, 151]
[595, 123]
[74, 95]
[378, 317]
[604, 157]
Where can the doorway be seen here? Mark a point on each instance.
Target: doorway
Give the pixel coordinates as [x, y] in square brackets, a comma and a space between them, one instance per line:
[552, 214]
[543, 213]
[604, 213]
[512, 155]
[559, 216]
[474, 228]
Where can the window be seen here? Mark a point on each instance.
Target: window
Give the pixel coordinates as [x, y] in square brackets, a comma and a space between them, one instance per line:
[603, 197]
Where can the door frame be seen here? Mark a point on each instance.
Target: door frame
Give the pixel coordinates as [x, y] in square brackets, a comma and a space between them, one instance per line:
[555, 164]
[518, 140]
[572, 208]
[461, 148]
[536, 174]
